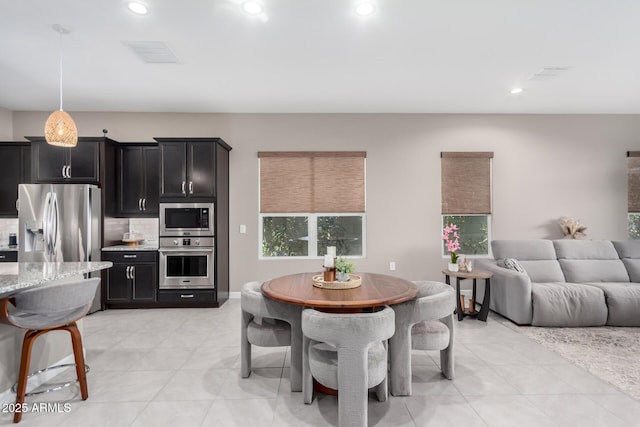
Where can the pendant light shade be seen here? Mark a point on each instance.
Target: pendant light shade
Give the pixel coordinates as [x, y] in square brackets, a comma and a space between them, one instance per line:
[60, 129]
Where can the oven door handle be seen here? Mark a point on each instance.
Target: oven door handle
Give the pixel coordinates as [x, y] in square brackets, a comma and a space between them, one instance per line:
[186, 251]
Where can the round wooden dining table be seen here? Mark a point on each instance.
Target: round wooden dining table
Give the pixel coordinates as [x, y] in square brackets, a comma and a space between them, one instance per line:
[376, 290]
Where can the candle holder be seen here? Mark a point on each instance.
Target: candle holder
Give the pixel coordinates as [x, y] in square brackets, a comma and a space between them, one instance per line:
[329, 274]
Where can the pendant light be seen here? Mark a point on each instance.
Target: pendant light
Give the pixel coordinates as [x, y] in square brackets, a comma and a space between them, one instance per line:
[60, 128]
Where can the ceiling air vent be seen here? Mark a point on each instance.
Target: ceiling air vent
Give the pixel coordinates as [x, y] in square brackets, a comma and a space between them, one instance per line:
[548, 73]
[152, 52]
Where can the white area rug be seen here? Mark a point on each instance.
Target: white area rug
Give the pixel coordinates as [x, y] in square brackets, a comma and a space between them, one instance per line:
[610, 353]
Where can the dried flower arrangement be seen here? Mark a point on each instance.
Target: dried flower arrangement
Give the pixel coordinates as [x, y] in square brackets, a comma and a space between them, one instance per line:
[572, 228]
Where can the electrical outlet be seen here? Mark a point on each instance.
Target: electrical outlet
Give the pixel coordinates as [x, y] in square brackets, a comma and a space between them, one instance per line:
[392, 266]
[243, 229]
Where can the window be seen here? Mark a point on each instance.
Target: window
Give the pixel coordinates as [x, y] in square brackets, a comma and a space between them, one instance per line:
[633, 193]
[311, 200]
[466, 199]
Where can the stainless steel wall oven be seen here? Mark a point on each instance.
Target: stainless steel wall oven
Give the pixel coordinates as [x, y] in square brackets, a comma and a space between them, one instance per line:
[187, 263]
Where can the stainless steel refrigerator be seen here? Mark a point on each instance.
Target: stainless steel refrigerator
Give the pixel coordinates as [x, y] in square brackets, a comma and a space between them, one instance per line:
[59, 222]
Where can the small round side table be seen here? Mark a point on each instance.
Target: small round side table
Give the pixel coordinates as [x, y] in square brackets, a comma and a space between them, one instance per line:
[474, 275]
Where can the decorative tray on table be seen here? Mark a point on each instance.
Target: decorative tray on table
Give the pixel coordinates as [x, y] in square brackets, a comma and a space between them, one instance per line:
[353, 282]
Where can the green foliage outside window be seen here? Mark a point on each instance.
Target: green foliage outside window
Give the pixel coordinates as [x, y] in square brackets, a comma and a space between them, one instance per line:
[343, 232]
[285, 236]
[473, 231]
[634, 226]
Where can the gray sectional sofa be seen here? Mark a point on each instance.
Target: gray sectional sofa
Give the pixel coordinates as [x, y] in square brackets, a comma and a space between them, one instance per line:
[566, 282]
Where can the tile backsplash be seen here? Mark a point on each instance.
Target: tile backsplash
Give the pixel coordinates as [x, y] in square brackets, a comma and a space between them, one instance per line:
[7, 225]
[114, 229]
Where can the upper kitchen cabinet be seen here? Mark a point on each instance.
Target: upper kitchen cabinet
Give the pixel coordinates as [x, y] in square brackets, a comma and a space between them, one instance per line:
[188, 167]
[16, 158]
[138, 175]
[79, 164]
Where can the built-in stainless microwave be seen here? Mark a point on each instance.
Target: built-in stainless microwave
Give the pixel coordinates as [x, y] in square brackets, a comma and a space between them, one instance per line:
[186, 219]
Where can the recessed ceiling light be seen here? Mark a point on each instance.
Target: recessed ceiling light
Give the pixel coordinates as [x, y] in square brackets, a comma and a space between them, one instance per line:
[516, 90]
[138, 8]
[252, 7]
[365, 9]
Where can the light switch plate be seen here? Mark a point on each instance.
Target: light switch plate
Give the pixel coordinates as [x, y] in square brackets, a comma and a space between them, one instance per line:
[243, 229]
[392, 266]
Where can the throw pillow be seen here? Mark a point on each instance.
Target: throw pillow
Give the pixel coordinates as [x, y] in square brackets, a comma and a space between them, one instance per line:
[513, 264]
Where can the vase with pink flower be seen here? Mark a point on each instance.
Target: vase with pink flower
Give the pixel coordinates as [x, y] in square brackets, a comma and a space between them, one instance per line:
[452, 242]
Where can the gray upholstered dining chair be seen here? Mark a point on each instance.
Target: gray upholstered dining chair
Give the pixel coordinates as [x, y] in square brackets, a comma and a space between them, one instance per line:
[55, 307]
[269, 323]
[346, 352]
[425, 323]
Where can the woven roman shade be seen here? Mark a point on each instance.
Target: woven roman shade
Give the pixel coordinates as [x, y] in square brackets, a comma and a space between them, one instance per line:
[466, 183]
[633, 181]
[312, 181]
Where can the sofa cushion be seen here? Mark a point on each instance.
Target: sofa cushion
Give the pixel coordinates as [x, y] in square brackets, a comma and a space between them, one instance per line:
[623, 301]
[629, 252]
[523, 249]
[590, 261]
[567, 304]
[594, 270]
[585, 249]
[543, 270]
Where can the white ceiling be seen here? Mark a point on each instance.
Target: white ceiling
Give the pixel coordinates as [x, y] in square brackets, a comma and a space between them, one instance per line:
[411, 56]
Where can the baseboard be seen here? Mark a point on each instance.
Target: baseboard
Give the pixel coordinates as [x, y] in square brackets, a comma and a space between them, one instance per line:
[234, 295]
[9, 397]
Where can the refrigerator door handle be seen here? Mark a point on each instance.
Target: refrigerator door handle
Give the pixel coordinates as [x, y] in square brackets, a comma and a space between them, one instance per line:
[46, 225]
[54, 220]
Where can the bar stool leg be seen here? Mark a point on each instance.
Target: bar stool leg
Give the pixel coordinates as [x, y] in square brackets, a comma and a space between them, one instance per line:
[23, 374]
[76, 341]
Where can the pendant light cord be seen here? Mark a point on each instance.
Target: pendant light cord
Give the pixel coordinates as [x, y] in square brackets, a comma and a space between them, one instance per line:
[60, 56]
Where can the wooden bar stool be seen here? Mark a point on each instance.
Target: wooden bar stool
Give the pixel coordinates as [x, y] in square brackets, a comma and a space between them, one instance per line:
[40, 310]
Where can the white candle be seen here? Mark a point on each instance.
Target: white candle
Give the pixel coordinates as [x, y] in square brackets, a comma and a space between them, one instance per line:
[328, 261]
[331, 250]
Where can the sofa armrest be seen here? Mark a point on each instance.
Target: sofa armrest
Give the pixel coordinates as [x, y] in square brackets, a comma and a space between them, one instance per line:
[510, 292]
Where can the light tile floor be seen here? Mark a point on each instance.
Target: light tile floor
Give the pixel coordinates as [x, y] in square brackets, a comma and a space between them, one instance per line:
[180, 367]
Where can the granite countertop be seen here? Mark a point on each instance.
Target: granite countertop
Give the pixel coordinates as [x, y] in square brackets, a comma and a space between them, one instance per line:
[143, 246]
[17, 276]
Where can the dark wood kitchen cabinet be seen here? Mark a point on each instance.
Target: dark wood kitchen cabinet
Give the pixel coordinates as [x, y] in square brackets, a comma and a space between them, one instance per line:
[8, 256]
[187, 167]
[16, 160]
[138, 180]
[202, 164]
[133, 279]
[79, 164]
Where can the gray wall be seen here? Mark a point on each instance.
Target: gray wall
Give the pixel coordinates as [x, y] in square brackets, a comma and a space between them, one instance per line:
[545, 167]
[6, 124]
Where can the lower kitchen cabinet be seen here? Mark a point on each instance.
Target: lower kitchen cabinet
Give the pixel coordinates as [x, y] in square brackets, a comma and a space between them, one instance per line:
[133, 279]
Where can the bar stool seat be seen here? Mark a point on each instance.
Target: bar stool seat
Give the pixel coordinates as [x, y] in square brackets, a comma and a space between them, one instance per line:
[49, 308]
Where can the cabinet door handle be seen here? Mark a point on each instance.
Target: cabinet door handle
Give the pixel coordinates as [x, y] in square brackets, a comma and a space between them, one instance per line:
[64, 169]
[18, 205]
[139, 204]
[130, 256]
[133, 272]
[186, 295]
[190, 187]
[184, 183]
[144, 204]
[3, 256]
[127, 275]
